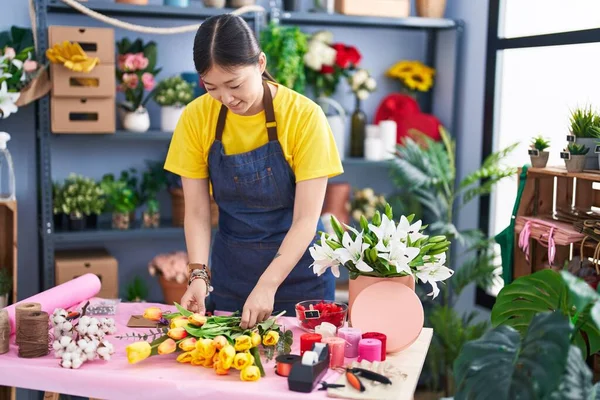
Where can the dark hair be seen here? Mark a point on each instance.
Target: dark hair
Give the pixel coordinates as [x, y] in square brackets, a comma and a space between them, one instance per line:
[225, 40]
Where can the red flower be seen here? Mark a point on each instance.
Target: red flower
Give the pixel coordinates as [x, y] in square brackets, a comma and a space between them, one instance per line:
[347, 56]
[327, 69]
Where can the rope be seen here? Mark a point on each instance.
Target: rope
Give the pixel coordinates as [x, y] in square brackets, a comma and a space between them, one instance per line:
[148, 29]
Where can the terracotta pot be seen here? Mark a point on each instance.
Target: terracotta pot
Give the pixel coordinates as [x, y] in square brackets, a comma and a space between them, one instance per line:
[336, 201]
[355, 286]
[151, 220]
[431, 8]
[121, 220]
[172, 291]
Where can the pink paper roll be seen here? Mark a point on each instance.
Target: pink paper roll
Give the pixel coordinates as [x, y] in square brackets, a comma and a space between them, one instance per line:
[66, 295]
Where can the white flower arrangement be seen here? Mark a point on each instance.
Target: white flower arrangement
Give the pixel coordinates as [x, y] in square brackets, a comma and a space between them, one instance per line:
[362, 83]
[383, 249]
[76, 343]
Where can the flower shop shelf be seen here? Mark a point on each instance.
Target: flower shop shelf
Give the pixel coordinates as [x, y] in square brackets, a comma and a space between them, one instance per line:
[321, 18]
[110, 8]
[103, 233]
[120, 135]
[591, 175]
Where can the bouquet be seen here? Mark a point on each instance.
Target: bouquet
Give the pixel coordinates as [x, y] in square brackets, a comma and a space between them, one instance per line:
[414, 75]
[362, 83]
[326, 62]
[383, 249]
[136, 71]
[216, 342]
[18, 68]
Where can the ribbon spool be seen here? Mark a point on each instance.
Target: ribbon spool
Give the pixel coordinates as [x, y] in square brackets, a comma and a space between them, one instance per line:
[34, 333]
[336, 353]
[21, 309]
[369, 349]
[379, 336]
[284, 363]
[352, 336]
[4, 332]
[307, 340]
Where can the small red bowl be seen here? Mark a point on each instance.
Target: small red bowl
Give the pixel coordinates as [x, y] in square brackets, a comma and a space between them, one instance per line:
[311, 313]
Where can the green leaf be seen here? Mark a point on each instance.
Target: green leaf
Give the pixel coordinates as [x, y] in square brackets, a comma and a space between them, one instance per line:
[576, 382]
[364, 224]
[580, 293]
[502, 366]
[183, 311]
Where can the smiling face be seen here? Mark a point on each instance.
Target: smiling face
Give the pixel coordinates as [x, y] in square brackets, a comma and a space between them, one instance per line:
[239, 89]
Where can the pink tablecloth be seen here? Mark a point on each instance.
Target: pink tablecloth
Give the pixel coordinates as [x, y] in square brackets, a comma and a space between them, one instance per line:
[157, 377]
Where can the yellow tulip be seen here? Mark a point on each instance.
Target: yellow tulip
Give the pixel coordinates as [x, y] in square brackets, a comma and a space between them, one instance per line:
[208, 362]
[198, 361]
[177, 333]
[243, 343]
[216, 356]
[167, 347]
[242, 360]
[256, 339]
[178, 322]
[220, 342]
[271, 338]
[219, 369]
[138, 351]
[153, 313]
[250, 373]
[206, 348]
[185, 357]
[226, 356]
[197, 319]
[188, 344]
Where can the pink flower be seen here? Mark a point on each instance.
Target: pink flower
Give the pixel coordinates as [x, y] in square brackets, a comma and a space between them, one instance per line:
[140, 62]
[121, 61]
[148, 80]
[130, 80]
[129, 62]
[9, 53]
[30, 65]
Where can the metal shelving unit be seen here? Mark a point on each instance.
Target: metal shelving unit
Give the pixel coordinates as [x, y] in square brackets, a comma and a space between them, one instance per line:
[49, 238]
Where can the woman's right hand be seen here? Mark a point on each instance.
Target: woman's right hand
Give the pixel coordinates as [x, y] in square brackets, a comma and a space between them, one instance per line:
[194, 297]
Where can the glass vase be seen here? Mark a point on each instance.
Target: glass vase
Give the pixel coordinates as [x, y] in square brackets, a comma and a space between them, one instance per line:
[357, 132]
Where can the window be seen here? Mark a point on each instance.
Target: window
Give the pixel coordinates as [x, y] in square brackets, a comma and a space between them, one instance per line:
[532, 85]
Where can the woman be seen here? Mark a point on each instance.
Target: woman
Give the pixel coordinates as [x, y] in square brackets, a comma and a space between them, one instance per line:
[267, 153]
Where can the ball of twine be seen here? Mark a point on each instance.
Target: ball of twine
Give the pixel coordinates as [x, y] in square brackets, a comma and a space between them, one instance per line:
[4, 331]
[34, 334]
[21, 309]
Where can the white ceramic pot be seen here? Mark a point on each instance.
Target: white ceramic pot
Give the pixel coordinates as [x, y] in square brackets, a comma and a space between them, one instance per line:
[169, 116]
[336, 122]
[136, 121]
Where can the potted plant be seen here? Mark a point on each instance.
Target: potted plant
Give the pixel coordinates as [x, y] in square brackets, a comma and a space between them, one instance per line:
[136, 71]
[137, 291]
[585, 126]
[82, 198]
[538, 154]
[6, 283]
[172, 272]
[172, 95]
[575, 157]
[154, 180]
[121, 201]
[285, 47]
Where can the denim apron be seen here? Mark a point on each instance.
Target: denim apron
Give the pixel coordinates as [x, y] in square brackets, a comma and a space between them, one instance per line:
[255, 193]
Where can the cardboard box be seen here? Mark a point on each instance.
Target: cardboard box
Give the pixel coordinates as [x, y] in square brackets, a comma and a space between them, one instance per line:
[82, 115]
[70, 264]
[100, 82]
[96, 42]
[374, 8]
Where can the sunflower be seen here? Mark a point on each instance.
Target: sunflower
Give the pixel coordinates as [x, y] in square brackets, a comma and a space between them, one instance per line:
[403, 69]
[418, 80]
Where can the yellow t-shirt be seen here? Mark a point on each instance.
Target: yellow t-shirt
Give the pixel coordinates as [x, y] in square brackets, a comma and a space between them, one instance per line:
[302, 129]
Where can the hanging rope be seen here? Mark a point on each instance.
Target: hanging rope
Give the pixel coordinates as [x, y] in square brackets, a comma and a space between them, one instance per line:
[147, 29]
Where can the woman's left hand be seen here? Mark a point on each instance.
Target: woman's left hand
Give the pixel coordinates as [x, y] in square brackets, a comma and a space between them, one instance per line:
[258, 306]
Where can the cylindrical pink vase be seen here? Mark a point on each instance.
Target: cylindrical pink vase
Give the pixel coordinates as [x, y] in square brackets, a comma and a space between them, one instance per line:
[362, 282]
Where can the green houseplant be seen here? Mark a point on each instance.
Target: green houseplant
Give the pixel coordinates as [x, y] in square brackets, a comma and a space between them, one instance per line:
[82, 199]
[154, 180]
[136, 290]
[122, 200]
[172, 95]
[285, 47]
[539, 157]
[6, 283]
[576, 160]
[545, 325]
[585, 126]
[426, 173]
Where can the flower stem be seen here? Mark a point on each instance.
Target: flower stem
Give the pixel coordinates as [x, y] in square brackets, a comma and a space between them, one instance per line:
[256, 354]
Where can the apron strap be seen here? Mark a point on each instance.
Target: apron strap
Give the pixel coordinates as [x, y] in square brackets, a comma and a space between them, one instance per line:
[269, 116]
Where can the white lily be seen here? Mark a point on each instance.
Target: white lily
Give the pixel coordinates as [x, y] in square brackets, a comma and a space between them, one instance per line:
[324, 257]
[7, 101]
[354, 251]
[405, 229]
[400, 256]
[433, 272]
[384, 232]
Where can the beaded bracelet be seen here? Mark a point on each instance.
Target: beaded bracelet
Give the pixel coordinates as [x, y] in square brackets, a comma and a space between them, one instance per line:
[201, 274]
